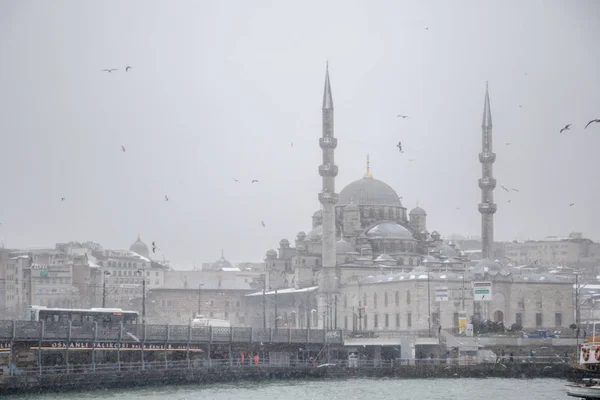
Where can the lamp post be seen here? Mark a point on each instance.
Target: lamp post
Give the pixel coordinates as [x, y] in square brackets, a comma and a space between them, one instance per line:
[104, 288]
[276, 310]
[428, 306]
[199, 300]
[141, 272]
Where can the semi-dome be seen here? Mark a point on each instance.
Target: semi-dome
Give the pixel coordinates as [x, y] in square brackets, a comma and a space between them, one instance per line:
[417, 211]
[318, 213]
[315, 234]
[221, 263]
[301, 236]
[342, 247]
[271, 253]
[369, 191]
[140, 248]
[388, 230]
[385, 258]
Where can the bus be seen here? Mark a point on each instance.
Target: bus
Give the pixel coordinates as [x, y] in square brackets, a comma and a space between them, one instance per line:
[78, 317]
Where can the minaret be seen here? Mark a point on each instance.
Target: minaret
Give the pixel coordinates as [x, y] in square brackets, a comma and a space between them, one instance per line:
[487, 183]
[327, 281]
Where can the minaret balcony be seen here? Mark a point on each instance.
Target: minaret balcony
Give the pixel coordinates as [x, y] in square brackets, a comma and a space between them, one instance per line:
[328, 198]
[328, 170]
[487, 157]
[328, 142]
[487, 183]
[487, 208]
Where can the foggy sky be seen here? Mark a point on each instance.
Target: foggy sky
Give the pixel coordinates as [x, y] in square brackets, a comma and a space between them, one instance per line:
[219, 89]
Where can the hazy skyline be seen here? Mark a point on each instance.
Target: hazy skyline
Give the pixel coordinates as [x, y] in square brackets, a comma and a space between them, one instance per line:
[219, 90]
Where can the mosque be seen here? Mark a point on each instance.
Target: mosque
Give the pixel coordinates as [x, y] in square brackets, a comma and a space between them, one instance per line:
[367, 264]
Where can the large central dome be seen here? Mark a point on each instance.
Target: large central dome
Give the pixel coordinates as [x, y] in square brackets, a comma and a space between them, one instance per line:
[369, 191]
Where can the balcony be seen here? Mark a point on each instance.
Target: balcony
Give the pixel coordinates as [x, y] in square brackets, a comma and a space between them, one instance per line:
[487, 208]
[487, 183]
[328, 142]
[328, 198]
[487, 158]
[328, 170]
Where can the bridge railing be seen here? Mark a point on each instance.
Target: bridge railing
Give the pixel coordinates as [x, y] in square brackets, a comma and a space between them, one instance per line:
[139, 333]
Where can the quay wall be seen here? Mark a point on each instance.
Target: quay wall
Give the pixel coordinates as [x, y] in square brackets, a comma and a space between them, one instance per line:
[104, 379]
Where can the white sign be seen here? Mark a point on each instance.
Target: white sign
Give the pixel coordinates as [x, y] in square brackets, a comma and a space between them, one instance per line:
[482, 291]
[441, 294]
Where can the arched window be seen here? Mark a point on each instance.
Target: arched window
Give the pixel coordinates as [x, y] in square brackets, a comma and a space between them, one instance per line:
[410, 261]
[558, 300]
[408, 297]
[397, 298]
[385, 299]
[374, 300]
[401, 261]
[371, 213]
[364, 300]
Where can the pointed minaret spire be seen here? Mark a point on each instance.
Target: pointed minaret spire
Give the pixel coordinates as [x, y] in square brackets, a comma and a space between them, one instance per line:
[368, 174]
[487, 111]
[327, 98]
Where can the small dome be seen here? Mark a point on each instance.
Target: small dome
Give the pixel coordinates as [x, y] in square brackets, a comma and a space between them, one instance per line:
[316, 234]
[140, 248]
[301, 236]
[318, 214]
[220, 264]
[351, 207]
[343, 247]
[271, 254]
[283, 243]
[418, 211]
[447, 251]
[487, 266]
[389, 230]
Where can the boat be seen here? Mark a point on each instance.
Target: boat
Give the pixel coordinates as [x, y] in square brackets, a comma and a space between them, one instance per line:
[588, 390]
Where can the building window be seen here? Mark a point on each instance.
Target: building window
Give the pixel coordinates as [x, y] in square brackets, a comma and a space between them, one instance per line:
[365, 300]
[397, 320]
[538, 319]
[226, 315]
[212, 303]
[237, 304]
[346, 322]
[385, 299]
[409, 320]
[408, 297]
[227, 303]
[212, 314]
[410, 261]
[397, 298]
[374, 300]
[345, 301]
[156, 273]
[387, 320]
[455, 320]
[365, 322]
[435, 318]
[558, 319]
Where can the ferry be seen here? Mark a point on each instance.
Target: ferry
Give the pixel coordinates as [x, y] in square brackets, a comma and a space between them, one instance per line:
[589, 362]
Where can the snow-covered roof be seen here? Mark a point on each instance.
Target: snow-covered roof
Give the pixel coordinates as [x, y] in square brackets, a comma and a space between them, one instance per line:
[286, 291]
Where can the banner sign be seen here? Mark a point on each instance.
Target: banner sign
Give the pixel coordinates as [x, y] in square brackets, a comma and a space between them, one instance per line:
[482, 291]
[115, 346]
[441, 294]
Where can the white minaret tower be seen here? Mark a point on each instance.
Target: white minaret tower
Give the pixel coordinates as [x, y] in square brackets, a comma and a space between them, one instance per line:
[328, 282]
[487, 183]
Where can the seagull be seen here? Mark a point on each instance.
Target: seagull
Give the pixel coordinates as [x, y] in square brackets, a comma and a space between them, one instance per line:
[166, 198]
[402, 116]
[292, 144]
[571, 205]
[458, 208]
[123, 149]
[411, 159]
[399, 146]
[515, 190]
[127, 68]
[566, 128]
[426, 28]
[235, 180]
[153, 248]
[263, 224]
[503, 187]
[509, 201]
[508, 143]
[110, 70]
[254, 180]
[594, 120]
[62, 199]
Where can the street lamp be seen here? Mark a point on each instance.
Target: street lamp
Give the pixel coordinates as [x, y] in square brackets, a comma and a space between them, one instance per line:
[141, 272]
[104, 289]
[199, 300]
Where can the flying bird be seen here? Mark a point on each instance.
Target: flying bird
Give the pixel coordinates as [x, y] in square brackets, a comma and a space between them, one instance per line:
[402, 116]
[399, 146]
[566, 128]
[515, 190]
[292, 144]
[509, 201]
[411, 159]
[153, 248]
[110, 70]
[123, 149]
[166, 198]
[571, 205]
[263, 223]
[458, 208]
[235, 180]
[127, 68]
[594, 120]
[62, 199]
[508, 143]
[254, 180]
[503, 187]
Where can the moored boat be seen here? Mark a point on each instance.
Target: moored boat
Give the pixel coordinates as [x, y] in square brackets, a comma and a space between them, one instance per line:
[588, 390]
